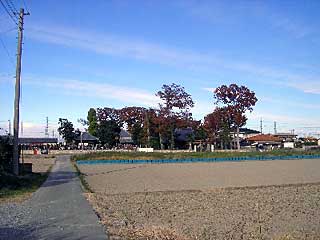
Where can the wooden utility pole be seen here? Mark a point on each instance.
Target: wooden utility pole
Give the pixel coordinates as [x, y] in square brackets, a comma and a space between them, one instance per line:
[9, 122]
[17, 96]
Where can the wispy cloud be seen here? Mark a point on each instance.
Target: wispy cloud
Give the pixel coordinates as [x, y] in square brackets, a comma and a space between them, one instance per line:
[97, 90]
[140, 50]
[293, 27]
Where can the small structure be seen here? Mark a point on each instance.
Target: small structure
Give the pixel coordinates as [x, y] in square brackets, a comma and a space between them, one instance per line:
[265, 141]
[286, 137]
[38, 141]
[86, 139]
[184, 137]
[246, 133]
[125, 137]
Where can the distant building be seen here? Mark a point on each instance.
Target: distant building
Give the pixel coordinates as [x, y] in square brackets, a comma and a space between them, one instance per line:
[183, 137]
[86, 138]
[246, 133]
[125, 137]
[286, 137]
[266, 141]
[38, 141]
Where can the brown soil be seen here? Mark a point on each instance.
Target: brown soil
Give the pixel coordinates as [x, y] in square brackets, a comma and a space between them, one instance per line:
[291, 212]
[208, 200]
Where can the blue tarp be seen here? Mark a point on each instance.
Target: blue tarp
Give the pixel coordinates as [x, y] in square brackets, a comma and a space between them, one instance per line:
[188, 160]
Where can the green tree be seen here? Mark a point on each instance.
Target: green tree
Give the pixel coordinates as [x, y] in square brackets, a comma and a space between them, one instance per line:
[92, 121]
[109, 126]
[108, 133]
[66, 130]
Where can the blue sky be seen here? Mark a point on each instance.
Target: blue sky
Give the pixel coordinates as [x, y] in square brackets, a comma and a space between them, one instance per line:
[81, 54]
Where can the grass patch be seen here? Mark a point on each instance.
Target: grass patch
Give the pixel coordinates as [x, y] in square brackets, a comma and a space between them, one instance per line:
[182, 155]
[19, 188]
[83, 181]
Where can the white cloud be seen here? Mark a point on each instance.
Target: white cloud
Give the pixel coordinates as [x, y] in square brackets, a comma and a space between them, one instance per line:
[97, 90]
[209, 89]
[111, 45]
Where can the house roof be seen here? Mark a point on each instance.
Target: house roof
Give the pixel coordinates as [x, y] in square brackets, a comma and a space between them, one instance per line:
[86, 137]
[37, 140]
[183, 134]
[125, 137]
[285, 135]
[264, 138]
[248, 131]
[124, 134]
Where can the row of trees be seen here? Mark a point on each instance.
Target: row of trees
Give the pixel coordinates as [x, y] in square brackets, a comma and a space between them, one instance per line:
[155, 127]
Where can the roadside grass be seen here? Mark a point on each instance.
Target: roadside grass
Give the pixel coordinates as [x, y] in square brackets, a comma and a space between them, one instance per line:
[19, 188]
[183, 155]
[84, 183]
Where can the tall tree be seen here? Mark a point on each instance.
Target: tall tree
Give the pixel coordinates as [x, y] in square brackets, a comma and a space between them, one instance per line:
[218, 125]
[109, 126]
[92, 121]
[238, 100]
[134, 118]
[66, 130]
[175, 101]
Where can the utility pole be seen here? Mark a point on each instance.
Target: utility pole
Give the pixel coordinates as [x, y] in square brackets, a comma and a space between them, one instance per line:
[46, 130]
[9, 123]
[21, 128]
[17, 96]
[261, 125]
[275, 127]
[52, 133]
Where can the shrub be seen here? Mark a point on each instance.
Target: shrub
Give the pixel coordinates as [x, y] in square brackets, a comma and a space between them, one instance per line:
[6, 154]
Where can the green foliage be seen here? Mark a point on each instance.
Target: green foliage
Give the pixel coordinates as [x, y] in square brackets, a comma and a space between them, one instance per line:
[182, 155]
[66, 130]
[14, 186]
[6, 154]
[92, 121]
[137, 134]
[109, 132]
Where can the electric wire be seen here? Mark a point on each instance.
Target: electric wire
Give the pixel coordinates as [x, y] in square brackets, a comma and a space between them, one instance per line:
[7, 51]
[8, 12]
[12, 7]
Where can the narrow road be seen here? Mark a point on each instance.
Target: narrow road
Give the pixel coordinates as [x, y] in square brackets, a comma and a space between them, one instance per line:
[58, 210]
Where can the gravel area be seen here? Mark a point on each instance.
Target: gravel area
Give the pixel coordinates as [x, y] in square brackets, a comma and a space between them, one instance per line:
[279, 212]
[114, 179]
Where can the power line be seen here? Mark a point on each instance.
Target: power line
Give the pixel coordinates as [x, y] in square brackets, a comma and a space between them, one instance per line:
[25, 5]
[12, 7]
[7, 51]
[8, 12]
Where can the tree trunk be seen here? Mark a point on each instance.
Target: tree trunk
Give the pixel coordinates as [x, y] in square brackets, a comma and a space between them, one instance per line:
[148, 130]
[238, 140]
[160, 139]
[172, 139]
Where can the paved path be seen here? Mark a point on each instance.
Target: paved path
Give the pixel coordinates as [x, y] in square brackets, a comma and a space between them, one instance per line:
[58, 210]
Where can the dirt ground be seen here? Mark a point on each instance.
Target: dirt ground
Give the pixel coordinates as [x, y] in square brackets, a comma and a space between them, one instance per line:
[208, 200]
[113, 179]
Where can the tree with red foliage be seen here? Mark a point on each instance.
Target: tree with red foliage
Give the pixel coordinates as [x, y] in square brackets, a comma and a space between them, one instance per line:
[238, 100]
[176, 104]
[218, 125]
[134, 118]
